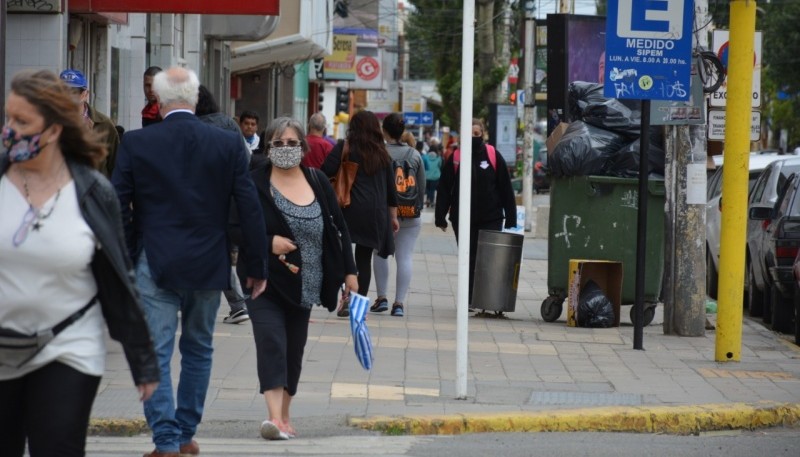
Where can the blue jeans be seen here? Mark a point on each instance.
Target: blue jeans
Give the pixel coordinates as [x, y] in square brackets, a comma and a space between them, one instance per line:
[173, 426]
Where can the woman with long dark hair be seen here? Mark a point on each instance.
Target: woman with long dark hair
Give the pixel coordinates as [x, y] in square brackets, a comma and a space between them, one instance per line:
[372, 214]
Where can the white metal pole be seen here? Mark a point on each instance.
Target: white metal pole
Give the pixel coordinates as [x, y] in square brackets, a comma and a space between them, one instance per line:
[465, 199]
[529, 122]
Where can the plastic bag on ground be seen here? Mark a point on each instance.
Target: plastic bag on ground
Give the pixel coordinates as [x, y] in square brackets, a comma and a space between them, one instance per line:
[595, 310]
[584, 150]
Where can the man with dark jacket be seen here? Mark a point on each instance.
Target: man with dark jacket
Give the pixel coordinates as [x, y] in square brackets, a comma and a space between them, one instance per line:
[182, 174]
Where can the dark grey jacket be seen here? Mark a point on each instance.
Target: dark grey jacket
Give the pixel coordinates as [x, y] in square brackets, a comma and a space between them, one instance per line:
[112, 270]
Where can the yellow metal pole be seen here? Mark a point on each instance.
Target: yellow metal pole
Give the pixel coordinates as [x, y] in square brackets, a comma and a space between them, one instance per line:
[734, 181]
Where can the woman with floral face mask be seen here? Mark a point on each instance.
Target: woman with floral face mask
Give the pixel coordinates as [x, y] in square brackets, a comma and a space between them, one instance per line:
[61, 253]
[307, 266]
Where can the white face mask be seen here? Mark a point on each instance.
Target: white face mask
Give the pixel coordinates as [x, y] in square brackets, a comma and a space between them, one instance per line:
[286, 157]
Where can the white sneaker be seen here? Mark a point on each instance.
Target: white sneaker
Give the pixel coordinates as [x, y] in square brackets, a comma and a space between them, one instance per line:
[270, 431]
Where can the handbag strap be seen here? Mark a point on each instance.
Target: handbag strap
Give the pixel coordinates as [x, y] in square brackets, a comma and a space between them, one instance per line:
[73, 317]
[346, 151]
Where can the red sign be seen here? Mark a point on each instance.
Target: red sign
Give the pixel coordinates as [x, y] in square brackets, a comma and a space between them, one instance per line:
[368, 68]
[244, 7]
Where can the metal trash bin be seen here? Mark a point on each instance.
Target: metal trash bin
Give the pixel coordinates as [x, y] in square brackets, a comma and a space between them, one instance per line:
[497, 265]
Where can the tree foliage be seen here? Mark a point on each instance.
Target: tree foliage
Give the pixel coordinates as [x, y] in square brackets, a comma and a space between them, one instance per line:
[434, 35]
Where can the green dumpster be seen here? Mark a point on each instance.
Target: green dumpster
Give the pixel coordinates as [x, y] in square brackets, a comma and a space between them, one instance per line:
[595, 217]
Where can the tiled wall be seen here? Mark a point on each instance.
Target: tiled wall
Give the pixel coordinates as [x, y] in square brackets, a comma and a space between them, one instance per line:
[35, 41]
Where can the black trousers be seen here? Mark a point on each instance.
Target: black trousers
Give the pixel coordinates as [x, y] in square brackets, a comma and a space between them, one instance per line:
[280, 331]
[50, 409]
[363, 256]
[473, 246]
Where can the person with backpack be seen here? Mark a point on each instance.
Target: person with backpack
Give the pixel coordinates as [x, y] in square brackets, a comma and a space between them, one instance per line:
[409, 172]
[492, 196]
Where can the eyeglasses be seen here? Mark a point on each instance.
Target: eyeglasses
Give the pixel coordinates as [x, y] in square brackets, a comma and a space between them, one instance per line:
[27, 222]
[292, 267]
[281, 143]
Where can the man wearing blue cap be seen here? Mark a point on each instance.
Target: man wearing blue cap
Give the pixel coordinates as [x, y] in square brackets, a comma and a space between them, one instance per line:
[95, 120]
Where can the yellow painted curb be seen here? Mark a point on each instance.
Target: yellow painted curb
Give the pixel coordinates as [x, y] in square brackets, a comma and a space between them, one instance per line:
[117, 427]
[678, 420]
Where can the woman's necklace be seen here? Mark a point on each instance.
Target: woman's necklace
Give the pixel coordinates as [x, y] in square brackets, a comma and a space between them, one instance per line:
[33, 217]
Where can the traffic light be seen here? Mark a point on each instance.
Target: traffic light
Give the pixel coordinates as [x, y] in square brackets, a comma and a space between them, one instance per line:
[321, 99]
[342, 100]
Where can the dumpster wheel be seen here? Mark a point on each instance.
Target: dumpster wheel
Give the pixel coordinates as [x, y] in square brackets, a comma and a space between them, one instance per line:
[649, 313]
[551, 308]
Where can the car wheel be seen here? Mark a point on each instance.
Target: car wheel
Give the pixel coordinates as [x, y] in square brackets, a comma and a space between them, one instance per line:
[711, 276]
[755, 299]
[796, 314]
[766, 295]
[782, 311]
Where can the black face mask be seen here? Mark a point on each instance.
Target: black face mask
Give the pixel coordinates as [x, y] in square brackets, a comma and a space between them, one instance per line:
[476, 142]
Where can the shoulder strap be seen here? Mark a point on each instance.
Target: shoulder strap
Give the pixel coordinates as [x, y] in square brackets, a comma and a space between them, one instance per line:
[492, 153]
[73, 317]
[346, 151]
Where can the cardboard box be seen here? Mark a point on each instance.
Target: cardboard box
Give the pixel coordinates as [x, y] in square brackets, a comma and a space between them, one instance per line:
[555, 137]
[607, 274]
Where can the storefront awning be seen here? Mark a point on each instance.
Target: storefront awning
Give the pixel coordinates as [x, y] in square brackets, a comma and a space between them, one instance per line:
[244, 7]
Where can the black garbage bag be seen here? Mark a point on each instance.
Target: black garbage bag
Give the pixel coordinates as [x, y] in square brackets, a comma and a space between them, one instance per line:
[582, 94]
[595, 310]
[584, 150]
[587, 103]
[625, 162]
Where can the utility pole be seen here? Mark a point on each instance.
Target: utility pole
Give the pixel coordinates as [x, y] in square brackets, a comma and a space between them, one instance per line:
[565, 6]
[505, 52]
[465, 189]
[685, 223]
[3, 61]
[734, 182]
[529, 114]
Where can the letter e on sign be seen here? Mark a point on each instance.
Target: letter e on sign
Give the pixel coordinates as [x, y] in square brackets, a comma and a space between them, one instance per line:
[655, 19]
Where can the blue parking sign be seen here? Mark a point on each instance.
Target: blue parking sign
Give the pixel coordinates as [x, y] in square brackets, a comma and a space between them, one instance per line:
[648, 49]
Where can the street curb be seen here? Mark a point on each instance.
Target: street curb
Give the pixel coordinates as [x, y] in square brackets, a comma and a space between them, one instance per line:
[117, 427]
[675, 420]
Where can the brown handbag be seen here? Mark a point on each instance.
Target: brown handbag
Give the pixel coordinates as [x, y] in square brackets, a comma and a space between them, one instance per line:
[344, 178]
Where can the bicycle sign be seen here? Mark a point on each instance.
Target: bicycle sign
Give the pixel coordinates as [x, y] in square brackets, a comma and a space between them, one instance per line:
[648, 49]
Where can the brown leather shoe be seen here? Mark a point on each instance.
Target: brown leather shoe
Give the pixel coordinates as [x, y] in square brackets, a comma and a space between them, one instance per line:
[156, 453]
[189, 449]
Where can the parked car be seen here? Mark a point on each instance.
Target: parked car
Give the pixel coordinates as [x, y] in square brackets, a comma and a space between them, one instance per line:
[781, 246]
[764, 194]
[796, 274]
[758, 162]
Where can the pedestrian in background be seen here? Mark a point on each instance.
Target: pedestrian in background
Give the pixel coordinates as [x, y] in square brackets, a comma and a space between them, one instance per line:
[308, 263]
[248, 123]
[93, 119]
[410, 226]
[150, 112]
[492, 197]
[372, 214]
[207, 110]
[432, 174]
[182, 174]
[61, 252]
[318, 146]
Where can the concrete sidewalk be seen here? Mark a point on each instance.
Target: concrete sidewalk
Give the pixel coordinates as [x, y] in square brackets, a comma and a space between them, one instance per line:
[524, 374]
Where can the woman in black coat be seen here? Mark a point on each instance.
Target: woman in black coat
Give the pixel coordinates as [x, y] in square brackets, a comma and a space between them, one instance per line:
[309, 260]
[372, 214]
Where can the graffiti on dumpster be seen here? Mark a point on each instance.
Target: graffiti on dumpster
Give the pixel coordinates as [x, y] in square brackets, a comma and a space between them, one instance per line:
[576, 221]
[630, 199]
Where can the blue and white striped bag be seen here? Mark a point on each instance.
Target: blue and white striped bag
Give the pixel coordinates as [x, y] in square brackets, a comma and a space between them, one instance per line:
[359, 305]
